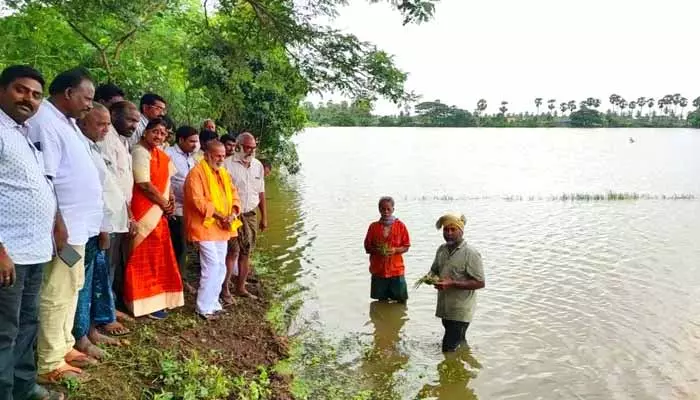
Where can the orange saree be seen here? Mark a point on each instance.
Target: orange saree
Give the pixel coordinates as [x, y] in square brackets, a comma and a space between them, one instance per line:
[152, 279]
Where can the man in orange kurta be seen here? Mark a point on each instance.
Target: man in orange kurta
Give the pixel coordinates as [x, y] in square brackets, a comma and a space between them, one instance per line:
[211, 209]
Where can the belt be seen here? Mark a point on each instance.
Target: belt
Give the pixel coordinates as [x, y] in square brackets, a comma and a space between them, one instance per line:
[249, 213]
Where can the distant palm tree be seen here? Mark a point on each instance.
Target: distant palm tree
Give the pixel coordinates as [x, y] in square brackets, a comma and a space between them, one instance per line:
[676, 99]
[481, 105]
[572, 106]
[551, 105]
[632, 106]
[596, 103]
[504, 108]
[564, 107]
[641, 102]
[614, 100]
[683, 102]
[622, 103]
[538, 103]
[650, 104]
[696, 102]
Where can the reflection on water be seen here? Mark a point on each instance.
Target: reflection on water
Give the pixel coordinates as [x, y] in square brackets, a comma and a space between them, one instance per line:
[584, 299]
[453, 378]
[384, 359]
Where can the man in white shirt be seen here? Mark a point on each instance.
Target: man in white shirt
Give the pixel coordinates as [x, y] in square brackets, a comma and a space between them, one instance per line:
[182, 155]
[27, 211]
[117, 155]
[152, 106]
[95, 299]
[249, 177]
[67, 162]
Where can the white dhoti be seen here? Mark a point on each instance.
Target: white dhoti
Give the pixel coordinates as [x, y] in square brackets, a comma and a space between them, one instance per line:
[212, 261]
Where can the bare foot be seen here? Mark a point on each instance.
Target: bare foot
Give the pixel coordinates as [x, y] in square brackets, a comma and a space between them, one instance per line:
[85, 346]
[114, 329]
[189, 288]
[98, 338]
[247, 294]
[123, 317]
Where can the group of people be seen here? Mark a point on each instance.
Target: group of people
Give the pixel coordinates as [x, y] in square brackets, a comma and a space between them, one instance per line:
[457, 269]
[98, 211]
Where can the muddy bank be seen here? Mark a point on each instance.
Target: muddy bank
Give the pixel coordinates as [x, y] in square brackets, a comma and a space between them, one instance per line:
[185, 357]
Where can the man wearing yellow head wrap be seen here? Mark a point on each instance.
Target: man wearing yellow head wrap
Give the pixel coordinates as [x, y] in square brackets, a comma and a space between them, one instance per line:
[461, 273]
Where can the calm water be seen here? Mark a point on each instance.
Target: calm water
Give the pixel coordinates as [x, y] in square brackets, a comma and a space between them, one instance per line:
[584, 300]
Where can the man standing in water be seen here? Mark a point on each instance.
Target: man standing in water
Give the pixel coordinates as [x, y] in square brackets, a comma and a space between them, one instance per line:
[461, 274]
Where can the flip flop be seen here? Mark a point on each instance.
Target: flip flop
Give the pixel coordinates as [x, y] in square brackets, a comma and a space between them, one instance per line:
[248, 295]
[62, 373]
[227, 301]
[209, 317]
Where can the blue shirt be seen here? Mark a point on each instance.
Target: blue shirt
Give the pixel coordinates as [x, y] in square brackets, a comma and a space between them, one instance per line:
[27, 202]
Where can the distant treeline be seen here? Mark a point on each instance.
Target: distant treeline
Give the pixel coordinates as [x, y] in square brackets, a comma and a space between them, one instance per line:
[667, 112]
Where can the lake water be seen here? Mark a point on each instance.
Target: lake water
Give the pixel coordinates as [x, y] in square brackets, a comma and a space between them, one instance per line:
[584, 299]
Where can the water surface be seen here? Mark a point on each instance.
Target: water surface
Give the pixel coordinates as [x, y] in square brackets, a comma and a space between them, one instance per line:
[584, 299]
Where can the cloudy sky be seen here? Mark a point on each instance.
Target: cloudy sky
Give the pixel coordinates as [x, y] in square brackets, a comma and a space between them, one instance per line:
[517, 50]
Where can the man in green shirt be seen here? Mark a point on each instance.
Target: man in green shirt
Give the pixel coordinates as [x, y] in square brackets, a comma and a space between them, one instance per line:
[461, 274]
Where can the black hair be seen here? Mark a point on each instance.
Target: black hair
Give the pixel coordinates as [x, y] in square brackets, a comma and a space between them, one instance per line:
[14, 72]
[227, 138]
[185, 131]
[69, 79]
[386, 199]
[265, 162]
[169, 123]
[149, 99]
[206, 135]
[155, 122]
[107, 91]
[121, 106]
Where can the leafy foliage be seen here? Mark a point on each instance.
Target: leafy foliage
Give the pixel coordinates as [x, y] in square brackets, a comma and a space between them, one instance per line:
[246, 63]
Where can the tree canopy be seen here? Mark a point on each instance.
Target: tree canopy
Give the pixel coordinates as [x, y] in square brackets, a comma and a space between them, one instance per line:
[248, 64]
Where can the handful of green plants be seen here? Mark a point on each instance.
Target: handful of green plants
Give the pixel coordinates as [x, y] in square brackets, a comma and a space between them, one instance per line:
[384, 249]
[429, 279]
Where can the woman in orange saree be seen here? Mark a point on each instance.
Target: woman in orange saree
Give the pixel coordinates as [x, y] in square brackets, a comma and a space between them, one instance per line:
[152, 282]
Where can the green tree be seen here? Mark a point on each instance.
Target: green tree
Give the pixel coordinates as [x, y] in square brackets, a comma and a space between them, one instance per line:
[503, 108]
[481, 105]
[538, 103]
[586, 118]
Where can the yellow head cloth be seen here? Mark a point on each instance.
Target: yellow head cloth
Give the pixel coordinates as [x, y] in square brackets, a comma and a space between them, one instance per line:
[458, 220]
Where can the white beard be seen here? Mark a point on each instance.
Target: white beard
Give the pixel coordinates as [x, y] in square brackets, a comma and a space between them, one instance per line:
[240, 155]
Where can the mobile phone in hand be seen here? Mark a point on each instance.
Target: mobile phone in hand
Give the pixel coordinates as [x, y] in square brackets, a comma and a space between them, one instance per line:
[69, 256]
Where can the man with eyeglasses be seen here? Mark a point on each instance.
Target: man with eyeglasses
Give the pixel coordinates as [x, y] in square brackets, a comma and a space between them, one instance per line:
[152, 106]
[248, 175]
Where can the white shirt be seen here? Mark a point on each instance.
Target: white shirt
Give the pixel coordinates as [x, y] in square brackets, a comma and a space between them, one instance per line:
[115, 151]
[250, 181]
[75, 178]
[143, 122]
[115, 218]
[184, 162]
[27, 202]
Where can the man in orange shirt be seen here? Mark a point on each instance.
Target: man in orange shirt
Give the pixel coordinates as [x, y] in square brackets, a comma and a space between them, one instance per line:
[386, 242]
[211, 209]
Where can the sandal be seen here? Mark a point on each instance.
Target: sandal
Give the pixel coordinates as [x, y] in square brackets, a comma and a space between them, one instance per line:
[248, 295]
[41, 393]
[209, 317]
[227, 301]
[113, 329]
[79, 359]
[62, 373]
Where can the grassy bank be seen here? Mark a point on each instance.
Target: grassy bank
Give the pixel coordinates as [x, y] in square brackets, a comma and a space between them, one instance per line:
[185, 357]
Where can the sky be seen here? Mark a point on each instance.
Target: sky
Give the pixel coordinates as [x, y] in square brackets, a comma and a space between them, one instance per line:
[516, 50]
